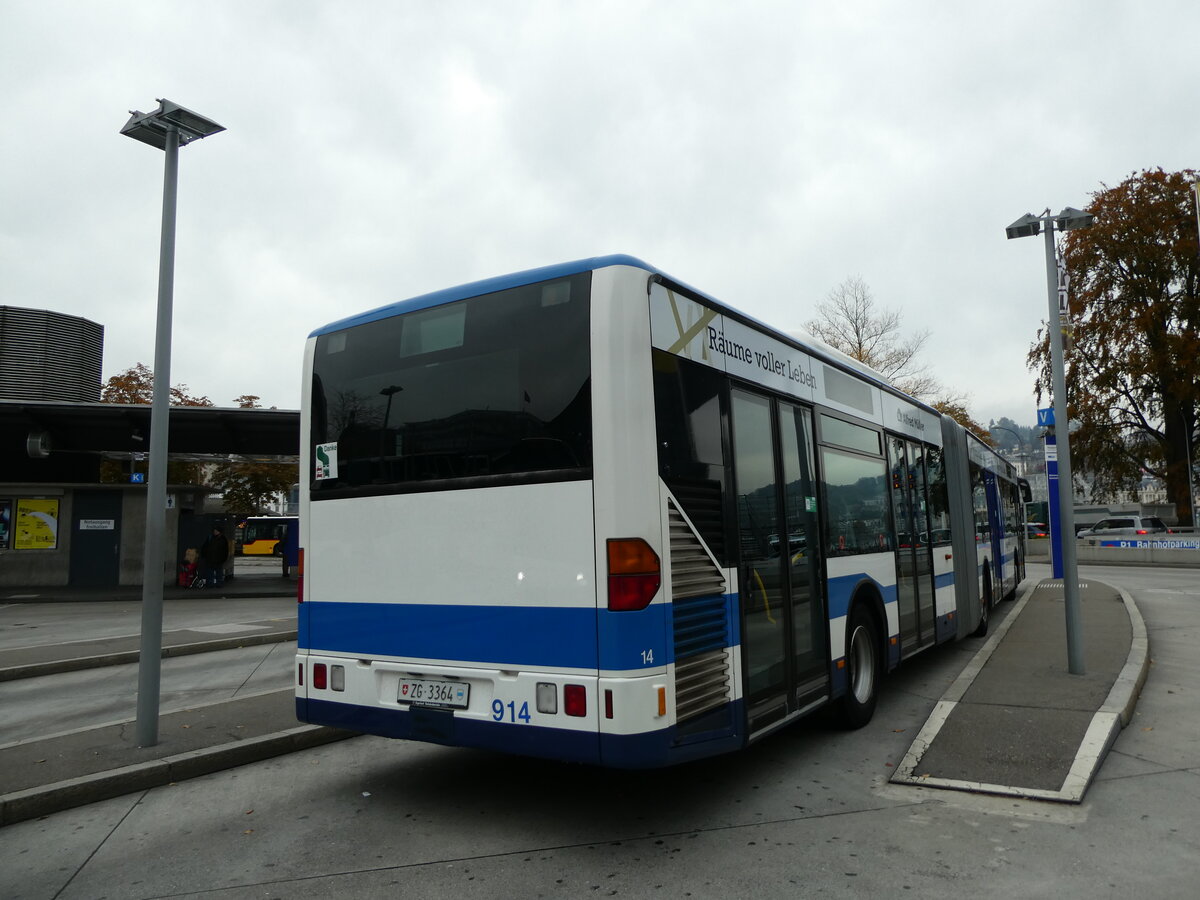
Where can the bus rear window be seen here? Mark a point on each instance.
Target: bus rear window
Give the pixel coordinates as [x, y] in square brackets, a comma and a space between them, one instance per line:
[488, 390]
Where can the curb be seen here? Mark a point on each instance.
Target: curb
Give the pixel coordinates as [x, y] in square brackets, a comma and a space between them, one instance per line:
[74, 664]
[1137, 666]
[32, 803]
[59, 595]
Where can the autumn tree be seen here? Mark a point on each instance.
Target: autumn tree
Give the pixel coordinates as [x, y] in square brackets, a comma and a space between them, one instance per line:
[957, 410]
[1133, 367]
[135, 385]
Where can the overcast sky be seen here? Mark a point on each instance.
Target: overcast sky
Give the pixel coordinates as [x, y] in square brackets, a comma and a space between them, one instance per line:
[760, 151]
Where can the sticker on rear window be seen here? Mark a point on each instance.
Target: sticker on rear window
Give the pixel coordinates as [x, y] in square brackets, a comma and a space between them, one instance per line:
[326, 460]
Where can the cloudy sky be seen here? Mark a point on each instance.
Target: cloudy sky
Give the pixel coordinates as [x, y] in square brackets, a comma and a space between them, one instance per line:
[761, 151]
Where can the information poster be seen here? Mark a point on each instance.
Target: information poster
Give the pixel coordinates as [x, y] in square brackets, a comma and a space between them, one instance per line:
[5, 524]
[36, 526]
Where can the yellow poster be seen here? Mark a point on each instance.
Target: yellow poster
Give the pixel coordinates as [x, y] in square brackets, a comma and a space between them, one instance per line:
[36, 527]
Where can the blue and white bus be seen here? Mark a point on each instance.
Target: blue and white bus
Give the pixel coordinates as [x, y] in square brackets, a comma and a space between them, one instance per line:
[587, 512]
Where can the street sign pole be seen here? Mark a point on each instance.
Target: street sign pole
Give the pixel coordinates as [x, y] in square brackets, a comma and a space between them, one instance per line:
[1066, 500]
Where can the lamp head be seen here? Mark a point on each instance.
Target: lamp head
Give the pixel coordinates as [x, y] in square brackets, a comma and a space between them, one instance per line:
[1071, 218]
[1026, 226]
[151, 128]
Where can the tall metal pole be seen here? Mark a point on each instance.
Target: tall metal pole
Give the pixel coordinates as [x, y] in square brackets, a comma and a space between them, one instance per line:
[1187, 432]
[150, 663]
[1187, 444]
[1066, 500]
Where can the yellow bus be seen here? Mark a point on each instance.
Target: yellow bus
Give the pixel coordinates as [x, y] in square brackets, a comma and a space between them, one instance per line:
[265, 535]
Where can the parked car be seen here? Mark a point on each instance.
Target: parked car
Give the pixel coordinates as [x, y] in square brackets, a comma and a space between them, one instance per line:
[1125, 526]
[1036, 530]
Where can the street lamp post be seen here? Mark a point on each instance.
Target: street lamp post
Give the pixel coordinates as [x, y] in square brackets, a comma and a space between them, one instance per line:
[1024, 453]
[1187, 432]
[167, 128]
[1028, 226]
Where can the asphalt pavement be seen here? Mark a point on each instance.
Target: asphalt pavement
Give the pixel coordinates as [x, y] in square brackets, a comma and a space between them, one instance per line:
[1014, 722]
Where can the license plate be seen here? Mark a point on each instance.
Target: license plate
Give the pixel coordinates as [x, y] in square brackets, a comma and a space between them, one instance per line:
[431, 692]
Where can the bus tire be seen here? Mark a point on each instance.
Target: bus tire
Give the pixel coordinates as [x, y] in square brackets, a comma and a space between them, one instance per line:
[1019, 569]
[985, 606]
[863, 665]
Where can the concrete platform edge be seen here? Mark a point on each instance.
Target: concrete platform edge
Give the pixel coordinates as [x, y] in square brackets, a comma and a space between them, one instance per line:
[1128, 686]
[1106, 724]
[74, 664]
[20, 806]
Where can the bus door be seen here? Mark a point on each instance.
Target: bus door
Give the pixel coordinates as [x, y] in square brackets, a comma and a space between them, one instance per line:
[914, 560]
[781, 602]
[996, 522]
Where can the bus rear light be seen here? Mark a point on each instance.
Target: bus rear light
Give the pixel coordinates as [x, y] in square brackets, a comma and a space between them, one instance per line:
[337, 677]
[634, 574]
[320, 674]
[574, 700]
[547, 698]
[631, 592]
[662, 701]
[608, 704]
[300, 674]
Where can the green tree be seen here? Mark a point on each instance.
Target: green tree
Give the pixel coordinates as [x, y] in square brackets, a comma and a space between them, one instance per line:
[247, 487]
[1133, 367]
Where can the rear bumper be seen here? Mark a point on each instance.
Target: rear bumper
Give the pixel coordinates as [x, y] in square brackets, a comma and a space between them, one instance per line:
[639, 751]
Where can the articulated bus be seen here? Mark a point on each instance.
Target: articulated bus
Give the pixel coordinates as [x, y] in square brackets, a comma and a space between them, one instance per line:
[587, 512]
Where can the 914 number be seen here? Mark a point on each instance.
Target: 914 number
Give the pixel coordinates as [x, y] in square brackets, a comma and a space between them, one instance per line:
[509, 711]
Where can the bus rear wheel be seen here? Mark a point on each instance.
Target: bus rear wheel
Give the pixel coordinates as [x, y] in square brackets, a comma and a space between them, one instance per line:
[862, 670]
[985, 606]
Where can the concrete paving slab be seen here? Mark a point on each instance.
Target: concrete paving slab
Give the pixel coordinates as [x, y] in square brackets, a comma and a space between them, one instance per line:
[46, 775]
[1007, 745]
[1017, 721]
[49, 659]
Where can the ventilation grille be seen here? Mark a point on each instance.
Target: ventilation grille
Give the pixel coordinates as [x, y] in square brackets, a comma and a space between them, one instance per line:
[49, 356]
[701, 501]
[701, 623]
[701, 684]
[693, 573]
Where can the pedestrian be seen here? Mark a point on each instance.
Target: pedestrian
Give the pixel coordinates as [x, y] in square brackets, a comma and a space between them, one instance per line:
[213, 554]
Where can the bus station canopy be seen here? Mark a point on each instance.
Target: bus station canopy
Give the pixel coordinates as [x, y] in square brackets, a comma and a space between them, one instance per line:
[50, 427]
